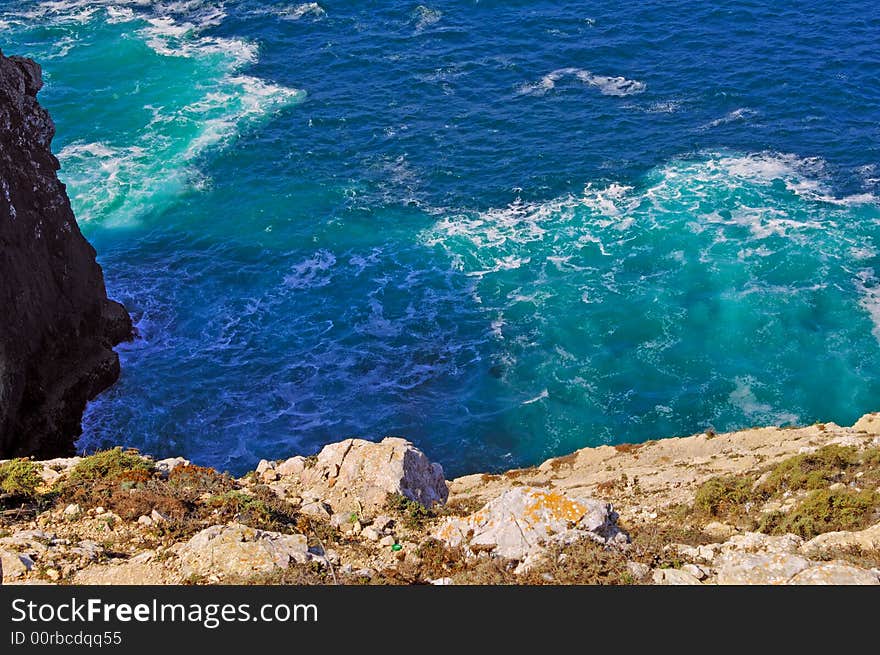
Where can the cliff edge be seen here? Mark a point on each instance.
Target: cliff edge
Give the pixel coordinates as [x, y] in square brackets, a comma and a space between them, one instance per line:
[57, 326]
[761, 506]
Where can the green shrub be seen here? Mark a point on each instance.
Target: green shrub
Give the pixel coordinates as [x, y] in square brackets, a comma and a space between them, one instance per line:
[723, 495]
[111, 465]
[811, 470]
[825, 511]
[413, 514]
[19, 477]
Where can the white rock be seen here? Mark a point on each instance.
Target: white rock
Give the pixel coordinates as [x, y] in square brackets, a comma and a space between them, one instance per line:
[382, 523]
[368, 472]
[834, 573]
[524, 519]
[867, 539]
[158, 517]
[14, 565]
[145, 520]
[674, 577]
[237, 549]
[165, 466]
[387, 541]
[370, 533]
[869, 423]
[741, 568]
[316, 509]
[442, 582]
[638, 570]
[72, 510]
[695, 570]
[292, 466]
[265, 465]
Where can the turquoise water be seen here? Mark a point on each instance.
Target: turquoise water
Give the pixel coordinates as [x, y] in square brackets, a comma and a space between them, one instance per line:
[502, 230]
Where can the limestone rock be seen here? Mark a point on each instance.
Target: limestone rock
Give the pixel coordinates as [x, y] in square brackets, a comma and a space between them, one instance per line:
[867, 539]
[14, 565]
[524, 519]
[738, 568]
[165, 466]
[292, 466]
[834, 573]
[695, 570]
[355, 471]
[869, 423]
[237, 549]
[638, 570]
[127, 573]
[370, 533]
[674, 577]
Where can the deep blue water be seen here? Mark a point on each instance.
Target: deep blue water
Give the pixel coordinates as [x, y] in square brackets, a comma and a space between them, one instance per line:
[504, 230]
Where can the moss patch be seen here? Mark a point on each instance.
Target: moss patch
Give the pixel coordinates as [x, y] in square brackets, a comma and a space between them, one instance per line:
[19, 477]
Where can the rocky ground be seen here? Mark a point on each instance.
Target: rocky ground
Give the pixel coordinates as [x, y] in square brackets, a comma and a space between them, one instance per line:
[760, 506]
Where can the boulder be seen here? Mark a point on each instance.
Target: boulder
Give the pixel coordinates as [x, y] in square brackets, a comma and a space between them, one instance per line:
[239, 550]
[834, 573]
[740, 568]
[357, 471]
[165, 466]
[520, 522]
[14, 565]
[869, 423]
[867, 539]
[292, 466]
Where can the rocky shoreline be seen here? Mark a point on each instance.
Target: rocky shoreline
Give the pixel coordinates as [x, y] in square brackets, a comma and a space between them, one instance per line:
[759, 506]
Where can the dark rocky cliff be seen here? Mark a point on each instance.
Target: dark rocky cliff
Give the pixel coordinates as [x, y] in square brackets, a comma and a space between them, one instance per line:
[57, 326]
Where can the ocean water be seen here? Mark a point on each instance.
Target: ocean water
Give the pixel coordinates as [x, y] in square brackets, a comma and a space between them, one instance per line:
[504, 230]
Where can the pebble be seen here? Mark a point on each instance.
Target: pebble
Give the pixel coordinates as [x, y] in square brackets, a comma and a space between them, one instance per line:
[387, 540]
[370, 533]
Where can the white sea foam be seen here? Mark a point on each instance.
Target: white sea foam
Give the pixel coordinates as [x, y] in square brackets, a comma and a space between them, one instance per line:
[305, 10]
[424, 17]
[119, 182]
[869, 287]
[607, 85]
[312, 272]
[539, 397]
[741, 114]
[743, 397]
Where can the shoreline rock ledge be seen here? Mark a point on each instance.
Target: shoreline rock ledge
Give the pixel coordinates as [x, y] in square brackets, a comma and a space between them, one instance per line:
[57, 326]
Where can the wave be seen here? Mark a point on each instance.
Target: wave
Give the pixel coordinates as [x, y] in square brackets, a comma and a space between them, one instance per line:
[716, 212]
[295, 12]
[424, 17]
[741, 114]
[120, 182]
[609, 86]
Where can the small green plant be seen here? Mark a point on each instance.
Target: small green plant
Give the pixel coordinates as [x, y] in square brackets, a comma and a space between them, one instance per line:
[825, 511]
[413, 514]
[110, 465]
[723, 495]
[19, 477]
